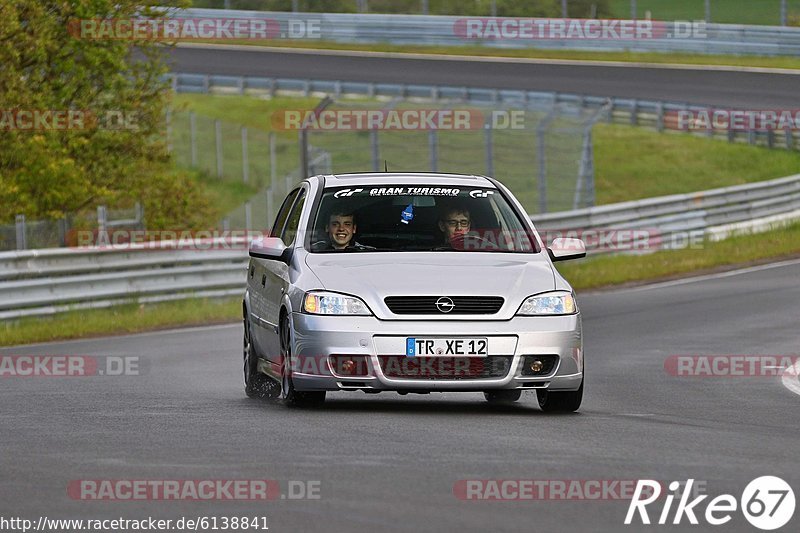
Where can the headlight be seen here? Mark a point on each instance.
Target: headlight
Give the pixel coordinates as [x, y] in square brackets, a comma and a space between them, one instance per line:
[329, 303]
[549, 303]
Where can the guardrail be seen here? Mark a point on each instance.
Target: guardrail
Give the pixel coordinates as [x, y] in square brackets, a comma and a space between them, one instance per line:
[669, 221]
[657, 115]
[438, 30]
[41, 282]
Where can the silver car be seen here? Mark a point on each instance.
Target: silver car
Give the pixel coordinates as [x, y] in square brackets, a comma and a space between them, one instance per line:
[414, 283]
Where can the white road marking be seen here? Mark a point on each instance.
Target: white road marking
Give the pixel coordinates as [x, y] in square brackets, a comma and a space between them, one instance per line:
[488, 59]
[791, 378]
[718, 275]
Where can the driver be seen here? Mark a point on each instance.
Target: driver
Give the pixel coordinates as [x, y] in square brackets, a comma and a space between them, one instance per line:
[340, 230]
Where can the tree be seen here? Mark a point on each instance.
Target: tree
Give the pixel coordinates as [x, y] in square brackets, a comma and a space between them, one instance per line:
[48, 69]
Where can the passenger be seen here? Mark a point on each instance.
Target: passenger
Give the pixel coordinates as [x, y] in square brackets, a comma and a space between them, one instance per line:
[455, 223]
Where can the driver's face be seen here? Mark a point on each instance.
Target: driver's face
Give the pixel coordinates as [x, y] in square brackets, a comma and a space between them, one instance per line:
[455, 224]
[341, 230]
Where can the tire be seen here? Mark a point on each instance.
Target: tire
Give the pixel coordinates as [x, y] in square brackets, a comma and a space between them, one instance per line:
[502, 397]
[256, 384]
[560, 401]
[289, 396]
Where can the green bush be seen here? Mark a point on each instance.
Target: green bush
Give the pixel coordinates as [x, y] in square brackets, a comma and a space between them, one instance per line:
[52, 171]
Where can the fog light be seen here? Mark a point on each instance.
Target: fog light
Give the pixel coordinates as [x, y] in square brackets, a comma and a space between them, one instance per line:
[349, 365]
[539, 365]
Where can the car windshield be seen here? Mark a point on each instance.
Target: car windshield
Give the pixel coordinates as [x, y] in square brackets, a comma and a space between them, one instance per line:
[400, 218]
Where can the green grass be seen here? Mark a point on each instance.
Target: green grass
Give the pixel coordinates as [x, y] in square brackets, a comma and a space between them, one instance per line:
[129, 318]
[606, 271]
[227, 194]
[252, 112]
[723, 11]
[633, 163]
[533, 53]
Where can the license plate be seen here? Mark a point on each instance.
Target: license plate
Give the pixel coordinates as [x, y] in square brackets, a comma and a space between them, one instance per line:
[443, 347]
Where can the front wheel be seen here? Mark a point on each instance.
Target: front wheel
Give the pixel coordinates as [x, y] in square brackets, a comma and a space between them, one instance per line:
[290, 396]
[560, 401]
[256, 384]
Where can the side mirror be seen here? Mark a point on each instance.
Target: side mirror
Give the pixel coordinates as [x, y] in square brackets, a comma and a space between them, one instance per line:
[564, 249]
[268, 248]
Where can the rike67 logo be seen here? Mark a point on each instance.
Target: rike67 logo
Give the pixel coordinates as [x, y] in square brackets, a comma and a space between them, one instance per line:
[767, 503]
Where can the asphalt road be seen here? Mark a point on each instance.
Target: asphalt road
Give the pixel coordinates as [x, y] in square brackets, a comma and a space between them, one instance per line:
[389, 463]
[749, 90]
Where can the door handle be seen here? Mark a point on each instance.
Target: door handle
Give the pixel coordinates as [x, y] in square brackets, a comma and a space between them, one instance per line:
[264, 280]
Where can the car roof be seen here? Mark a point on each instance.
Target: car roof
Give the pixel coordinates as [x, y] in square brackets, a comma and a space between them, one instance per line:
[406, 178]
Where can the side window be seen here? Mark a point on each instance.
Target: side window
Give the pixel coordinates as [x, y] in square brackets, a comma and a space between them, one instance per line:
[283, 214]
[290, 232]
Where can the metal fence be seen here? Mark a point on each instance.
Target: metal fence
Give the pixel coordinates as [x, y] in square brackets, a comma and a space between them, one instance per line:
[268, 161]
[546, 159]
[27, 234]
[737, 39]
[260, 210]
[658, 115]
[230, 151]
[540, 161]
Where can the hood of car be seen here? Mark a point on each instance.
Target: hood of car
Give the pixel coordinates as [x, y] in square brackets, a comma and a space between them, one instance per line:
[375, 276]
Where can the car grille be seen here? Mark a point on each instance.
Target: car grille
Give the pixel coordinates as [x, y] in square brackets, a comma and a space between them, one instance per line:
[433, 368]
[426, 305]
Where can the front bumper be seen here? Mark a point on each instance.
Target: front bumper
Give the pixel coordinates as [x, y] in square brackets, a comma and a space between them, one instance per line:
[318, 337]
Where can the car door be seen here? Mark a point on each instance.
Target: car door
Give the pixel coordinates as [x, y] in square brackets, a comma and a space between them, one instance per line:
[264, 330]
[276, 276]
